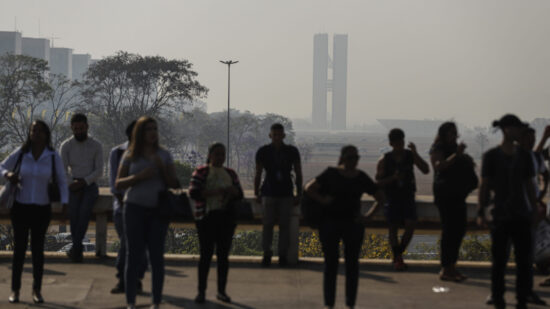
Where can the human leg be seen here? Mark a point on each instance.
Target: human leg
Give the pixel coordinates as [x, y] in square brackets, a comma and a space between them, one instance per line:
[499, 243]
[330, 237]
[353, 240]
[21, 228]
[41, 216]
[284, 206]
[155, 244]
[268, 221]
[135, 230]
[206, 247]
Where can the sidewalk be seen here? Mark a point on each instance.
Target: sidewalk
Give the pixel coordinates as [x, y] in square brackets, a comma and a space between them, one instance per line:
[87, 285]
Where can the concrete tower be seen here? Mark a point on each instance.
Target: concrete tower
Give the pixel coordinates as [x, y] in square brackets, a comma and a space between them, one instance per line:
[322, 84]
[10, 42]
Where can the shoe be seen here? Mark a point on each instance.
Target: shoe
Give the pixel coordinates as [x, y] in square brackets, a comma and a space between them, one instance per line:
[266, 261]
[118, 289]
[223, 297]
[200, 298]
[399, 264]
[139, 288]
[489, 300]
[37, 297]
[14, 297]
[533, 298]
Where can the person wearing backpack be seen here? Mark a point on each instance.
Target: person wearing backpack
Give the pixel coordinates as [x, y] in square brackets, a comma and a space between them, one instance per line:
[454, 180]
[37, 170]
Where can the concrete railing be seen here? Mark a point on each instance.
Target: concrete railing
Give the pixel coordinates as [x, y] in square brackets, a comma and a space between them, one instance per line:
[428, 218]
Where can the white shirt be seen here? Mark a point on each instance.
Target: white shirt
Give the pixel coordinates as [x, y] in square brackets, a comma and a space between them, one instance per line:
[35, 175]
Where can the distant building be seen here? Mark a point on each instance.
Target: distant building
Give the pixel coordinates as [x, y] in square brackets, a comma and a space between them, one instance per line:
[339, 82]
[322, 84]
[81, 62]
[36, 47]
[320, 80]
[10, 42]
[61, 61]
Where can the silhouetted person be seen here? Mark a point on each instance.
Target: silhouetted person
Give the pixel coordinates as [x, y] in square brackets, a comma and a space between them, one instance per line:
[277, 193]
[145, 171]
[83, 161]
[395, 174]
[339, 190]
[454, 180]
[32, 166]
[118, 205]
[508, 172]
[214, 187]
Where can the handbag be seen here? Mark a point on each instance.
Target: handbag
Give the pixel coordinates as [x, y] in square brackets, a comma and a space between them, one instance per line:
[174, 203]
[53, 186]
[241, 210]
[8, 191]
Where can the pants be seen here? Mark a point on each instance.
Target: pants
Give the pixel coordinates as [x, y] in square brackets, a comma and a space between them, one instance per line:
[277, 208]
[352, 234]
[144, 230]
[121, 256]
[35, 218]
[453, 228]
[81, 204]
[214, 229]
[519, 232]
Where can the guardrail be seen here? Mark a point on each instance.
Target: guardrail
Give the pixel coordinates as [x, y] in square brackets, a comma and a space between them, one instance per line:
[428, 218]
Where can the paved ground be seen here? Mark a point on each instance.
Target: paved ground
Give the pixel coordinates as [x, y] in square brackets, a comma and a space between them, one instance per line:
[87, 285]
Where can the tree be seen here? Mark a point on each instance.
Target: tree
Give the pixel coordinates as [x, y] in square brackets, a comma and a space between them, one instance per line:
[23, 88]
[123, 87]
[63, 97]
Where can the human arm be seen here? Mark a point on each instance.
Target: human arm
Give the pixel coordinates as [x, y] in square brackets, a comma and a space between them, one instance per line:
[420, 163]
[299, 179]
[440, 163]
[125, 181]
[544, 139]
[313, 188]
[380, 177]
[483, 201]
[98, 165]
[258, 180]
[61, 178]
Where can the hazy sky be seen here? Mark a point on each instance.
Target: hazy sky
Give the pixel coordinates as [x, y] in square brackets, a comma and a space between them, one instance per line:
[471, 60]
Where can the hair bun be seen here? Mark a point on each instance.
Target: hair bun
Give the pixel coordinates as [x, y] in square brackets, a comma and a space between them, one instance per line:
[496, 123]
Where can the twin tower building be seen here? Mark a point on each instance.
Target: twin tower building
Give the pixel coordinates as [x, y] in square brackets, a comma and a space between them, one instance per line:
[323, 83]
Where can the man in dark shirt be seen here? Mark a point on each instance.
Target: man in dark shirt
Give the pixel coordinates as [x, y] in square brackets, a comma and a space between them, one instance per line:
[508, 171]
[277, 190]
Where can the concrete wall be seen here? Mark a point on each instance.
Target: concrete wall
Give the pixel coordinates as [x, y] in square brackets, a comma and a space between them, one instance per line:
[36, 47]
[10, 42]
[81, 62]
[61, 61]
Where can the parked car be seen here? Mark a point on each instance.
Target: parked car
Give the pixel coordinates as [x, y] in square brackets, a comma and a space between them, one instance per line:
[87, 246]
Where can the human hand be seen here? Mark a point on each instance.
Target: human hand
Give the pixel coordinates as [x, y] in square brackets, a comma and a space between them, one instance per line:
[12, 177]
[77, 184]
[412, 147]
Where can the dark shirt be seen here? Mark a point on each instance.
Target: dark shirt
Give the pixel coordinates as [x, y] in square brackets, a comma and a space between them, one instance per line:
[278, 166]
[508, 176]
[406, 187]
[346, 192]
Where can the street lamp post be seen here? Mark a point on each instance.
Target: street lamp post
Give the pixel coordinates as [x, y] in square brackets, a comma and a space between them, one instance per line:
[229, 63]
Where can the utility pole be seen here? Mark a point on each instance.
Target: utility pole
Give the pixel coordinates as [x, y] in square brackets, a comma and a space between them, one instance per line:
[229, 63]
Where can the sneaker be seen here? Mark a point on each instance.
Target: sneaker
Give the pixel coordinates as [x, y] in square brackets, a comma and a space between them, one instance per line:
[118, 289]
[399, 264]
[533, 298]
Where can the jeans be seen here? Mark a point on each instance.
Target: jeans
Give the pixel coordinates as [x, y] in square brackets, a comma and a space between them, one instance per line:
[144, 230]
[330, 233]
[121, 256]
[25, 218]
[81, 203]
[277, 208]
[519, 232]
[453, 228]
[215, 229]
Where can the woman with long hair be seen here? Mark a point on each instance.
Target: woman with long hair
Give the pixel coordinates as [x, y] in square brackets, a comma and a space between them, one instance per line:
[454, 179]
[32, 167]
[146, 170]
[214, 188]
[339, 189]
